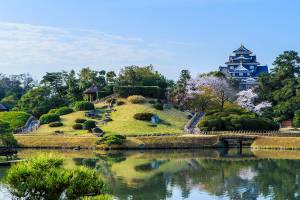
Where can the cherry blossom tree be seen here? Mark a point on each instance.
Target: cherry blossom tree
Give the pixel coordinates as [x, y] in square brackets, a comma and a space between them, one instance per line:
[247, 99]
[219, 87]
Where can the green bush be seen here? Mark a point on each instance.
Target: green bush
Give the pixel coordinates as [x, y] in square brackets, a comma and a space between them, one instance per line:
[89, 125]
[158, 106]
[53, 111]
[77, 127]
[296, 120]
[15, 119]
[147, 91]
[55, 124]
[47, 118]
[4, 127]
[64, 111]
[235, 119]
[80, 121]
[111, 139]
[143, 116]
[136, 99]
[45, 177]
[119, 103]
[83, 105]
[152, 101]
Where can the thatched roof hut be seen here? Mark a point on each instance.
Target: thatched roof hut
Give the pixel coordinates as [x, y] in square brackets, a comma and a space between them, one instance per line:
[3, 108]
[91, 93]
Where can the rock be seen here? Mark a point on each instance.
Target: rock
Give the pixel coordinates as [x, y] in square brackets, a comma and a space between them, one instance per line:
[97, 130]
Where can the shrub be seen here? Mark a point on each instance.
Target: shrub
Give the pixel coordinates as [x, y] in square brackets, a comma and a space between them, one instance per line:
[83, 105]
[15, 119]
[53, 111]
[80, 121]
[143, 116]
[111, 139]
[4, 127]
[77, 127]
[119, 103]
[47, 118]
[158, 106]
[55, 124]
[89, 125]
[296, 120]
[152, 101]
[64, 110]
[136, 99]
[147, 91]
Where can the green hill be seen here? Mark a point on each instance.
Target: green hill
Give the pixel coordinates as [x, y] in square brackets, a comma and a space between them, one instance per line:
[123, 122]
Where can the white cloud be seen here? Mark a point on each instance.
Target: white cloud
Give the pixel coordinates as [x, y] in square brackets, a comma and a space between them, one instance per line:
[37, 49]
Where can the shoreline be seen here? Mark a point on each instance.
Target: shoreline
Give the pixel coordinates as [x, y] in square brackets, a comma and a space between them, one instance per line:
[156, 142]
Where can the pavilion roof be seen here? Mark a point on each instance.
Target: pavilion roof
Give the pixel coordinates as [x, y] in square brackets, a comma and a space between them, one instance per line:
[2, 107]
[92, 89]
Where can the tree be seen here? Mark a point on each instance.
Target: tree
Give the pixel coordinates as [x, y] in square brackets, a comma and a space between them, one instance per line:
[88, 77]
[38, 101]
[281, 86]
[73, 91]
[56, 82]
[43, 177]
[247, 99]
[220, 88]
[111, 77]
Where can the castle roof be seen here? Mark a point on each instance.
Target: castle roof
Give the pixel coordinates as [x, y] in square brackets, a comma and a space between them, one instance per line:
[242, 50]
[241, 67]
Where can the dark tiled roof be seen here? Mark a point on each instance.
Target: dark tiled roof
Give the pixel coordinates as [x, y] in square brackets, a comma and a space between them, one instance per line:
[92, 89]
[2, 107]
[242, 50]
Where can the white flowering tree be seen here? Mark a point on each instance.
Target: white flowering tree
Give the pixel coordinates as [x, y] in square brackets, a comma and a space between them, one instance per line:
[247, 98]
[219, 89]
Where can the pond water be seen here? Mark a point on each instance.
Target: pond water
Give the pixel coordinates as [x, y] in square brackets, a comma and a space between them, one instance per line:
[189, 174]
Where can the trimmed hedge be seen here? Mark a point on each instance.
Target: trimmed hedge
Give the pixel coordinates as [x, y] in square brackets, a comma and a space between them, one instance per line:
[55, 124]
[235, 119]
[80, 121]
[143, 116]
[64, 111]
[112, 139]
[89, 125]
[77, 127]
[4, 127]
[83, 105]
[47, 118]
[136, 99]
[147, 91]
[158, 106]
[15, 119]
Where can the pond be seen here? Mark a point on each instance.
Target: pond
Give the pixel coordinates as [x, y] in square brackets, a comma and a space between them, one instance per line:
[189, 174]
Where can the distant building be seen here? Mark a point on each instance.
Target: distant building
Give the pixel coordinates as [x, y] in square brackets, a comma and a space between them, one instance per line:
[243, 67]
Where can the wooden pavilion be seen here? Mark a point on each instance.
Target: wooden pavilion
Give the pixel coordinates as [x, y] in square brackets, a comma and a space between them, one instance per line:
[91, 94]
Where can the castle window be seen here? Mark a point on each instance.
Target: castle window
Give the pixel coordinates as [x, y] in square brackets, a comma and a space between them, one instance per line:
[251, 67]
[241, 74]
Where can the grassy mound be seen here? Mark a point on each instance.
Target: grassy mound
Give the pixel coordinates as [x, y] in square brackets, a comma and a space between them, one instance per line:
[123, 122]
[14, 118]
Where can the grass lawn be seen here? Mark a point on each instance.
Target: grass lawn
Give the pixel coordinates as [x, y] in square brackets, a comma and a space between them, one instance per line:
[173, 120]
[16, 119]
[68, 121]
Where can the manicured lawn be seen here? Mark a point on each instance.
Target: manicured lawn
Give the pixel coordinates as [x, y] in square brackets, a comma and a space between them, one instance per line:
[68, 121]
[124, 123]
[14, 118]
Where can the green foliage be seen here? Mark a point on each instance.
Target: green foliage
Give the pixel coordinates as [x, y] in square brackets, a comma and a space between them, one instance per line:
[136, 99]
[38, 101]
[64, 110]
[15, 119]
[142, 76]
[112, 139]
[43, 177]
[119, 103]
[83, 105]
[4, 127]
[281, 86]
[143, 116]
[80, 121]
[47, 118]
[158, 106]
[77, 126]
[147, 91]
[89, 125]
[235, 119]
[296, 119]
[9, 101]
[55, 124]
[8, 140]
[99, 197]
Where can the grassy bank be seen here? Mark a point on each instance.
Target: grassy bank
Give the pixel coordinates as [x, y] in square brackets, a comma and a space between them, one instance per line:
[53, 141]
[270, 142]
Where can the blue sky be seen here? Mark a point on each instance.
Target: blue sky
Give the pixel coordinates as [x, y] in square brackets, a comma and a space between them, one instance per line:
[52, 35]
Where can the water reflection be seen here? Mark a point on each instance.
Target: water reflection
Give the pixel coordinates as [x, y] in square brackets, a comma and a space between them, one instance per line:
[193, 174]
